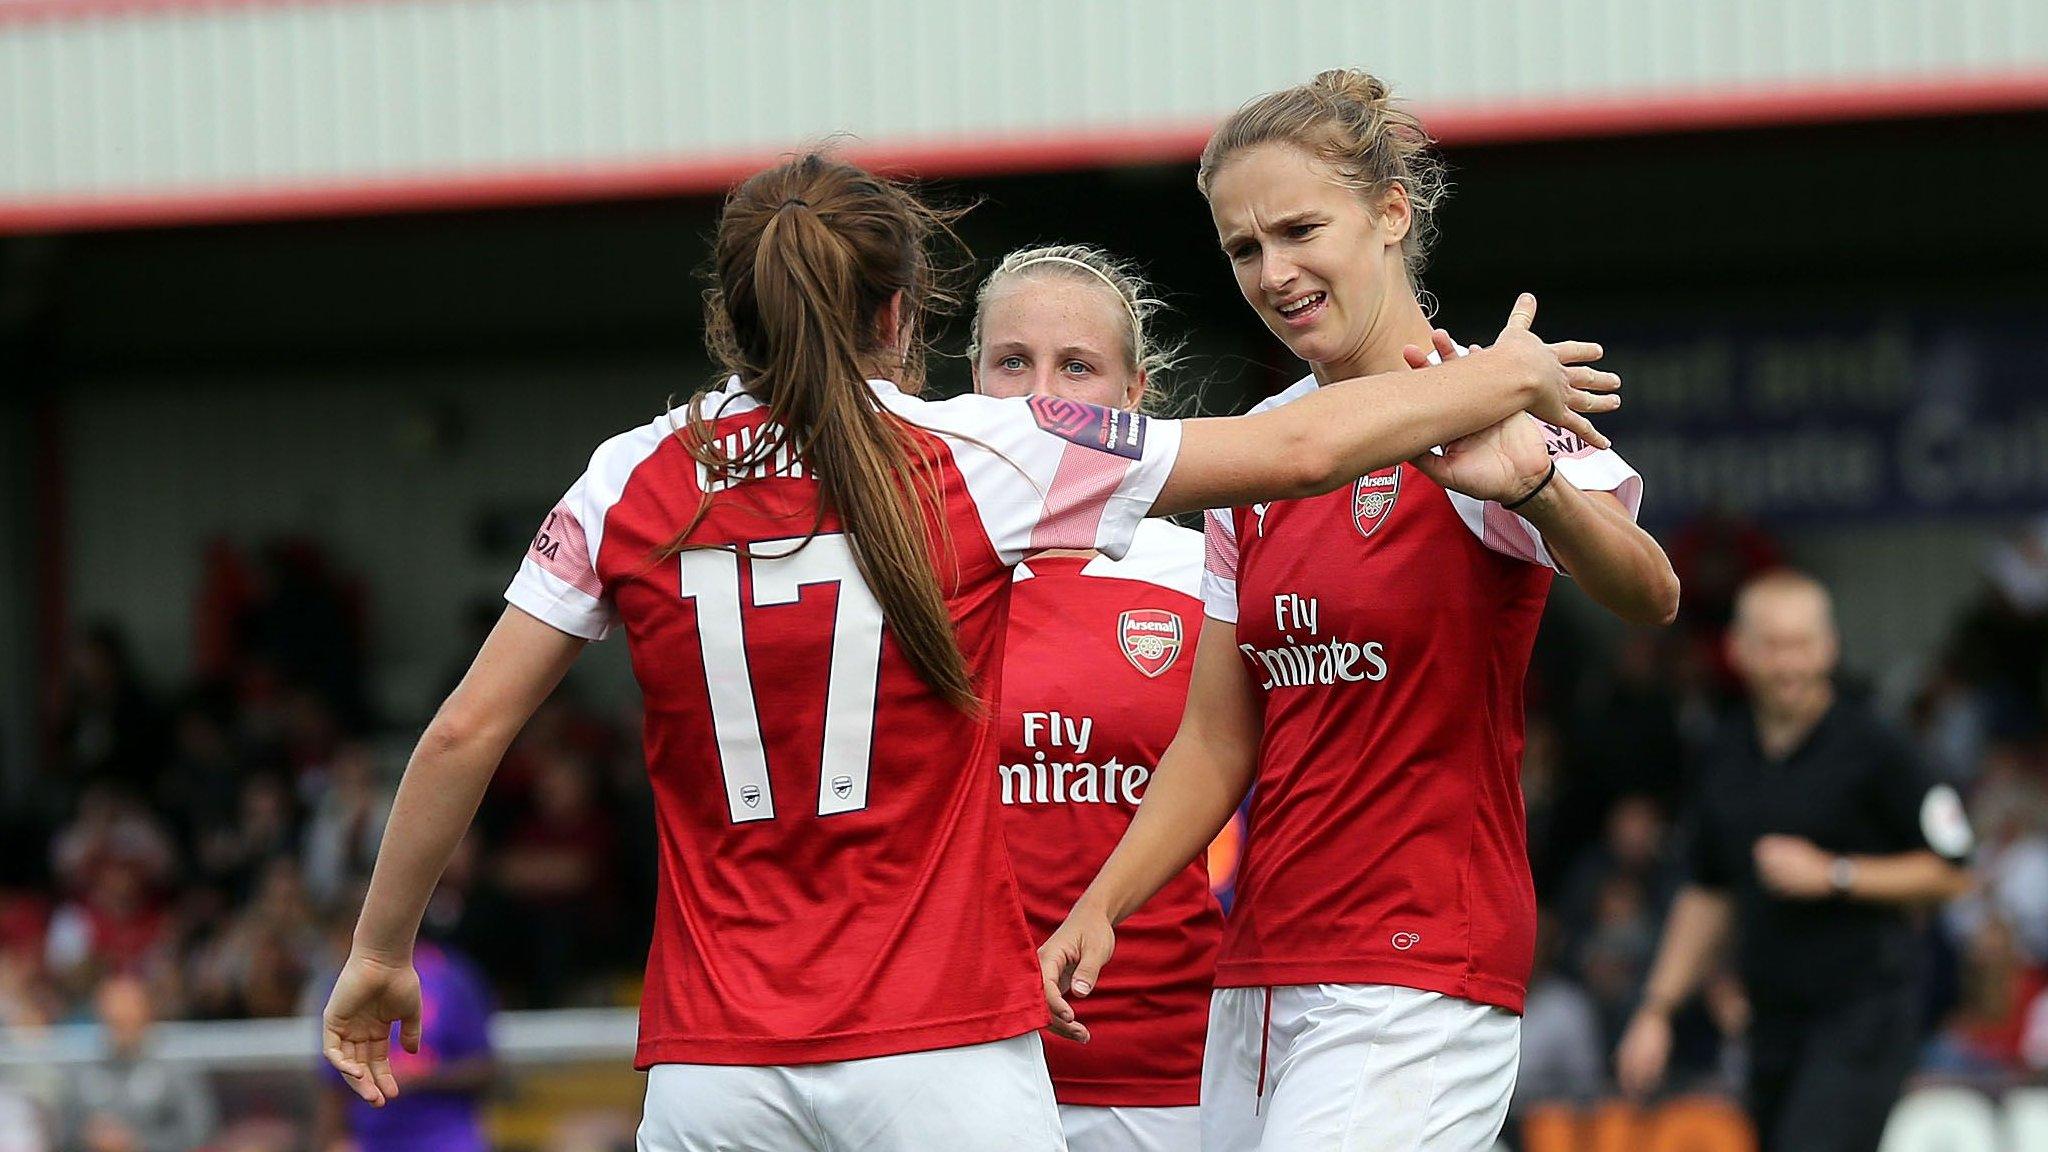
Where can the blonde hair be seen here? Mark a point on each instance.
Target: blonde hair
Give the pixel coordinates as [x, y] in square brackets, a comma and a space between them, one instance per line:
[1144, 353]
[1348, 119]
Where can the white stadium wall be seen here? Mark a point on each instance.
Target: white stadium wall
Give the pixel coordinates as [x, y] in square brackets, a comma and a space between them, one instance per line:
[391, 472]
[146, 111]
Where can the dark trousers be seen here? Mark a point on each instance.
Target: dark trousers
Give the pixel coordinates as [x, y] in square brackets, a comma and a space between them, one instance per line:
[1825, 1079]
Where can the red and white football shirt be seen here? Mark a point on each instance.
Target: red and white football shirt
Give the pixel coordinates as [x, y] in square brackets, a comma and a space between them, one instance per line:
[833, 880]
[1387, 628]
[1095, 676]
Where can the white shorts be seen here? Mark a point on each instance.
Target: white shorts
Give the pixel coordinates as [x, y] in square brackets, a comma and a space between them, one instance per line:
[1092, 1129]
[1355, 1066]
[990, 1097]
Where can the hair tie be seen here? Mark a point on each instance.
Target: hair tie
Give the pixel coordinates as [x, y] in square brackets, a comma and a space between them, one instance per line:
[796, 200]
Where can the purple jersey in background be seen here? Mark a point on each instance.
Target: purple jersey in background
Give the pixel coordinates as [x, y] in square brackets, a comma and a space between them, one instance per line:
[455, 1012]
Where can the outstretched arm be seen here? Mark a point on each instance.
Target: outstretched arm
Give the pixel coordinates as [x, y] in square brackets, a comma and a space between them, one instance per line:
[1349, 428]
[1589, 534]
[520, 663]
[1201, 778]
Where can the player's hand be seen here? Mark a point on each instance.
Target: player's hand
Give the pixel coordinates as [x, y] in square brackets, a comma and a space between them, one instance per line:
[1568, 387]
[1793, 867]
[1502, 463]
[355, 1030]
[1645, 1049]
[1070, 962]
[1440, 343]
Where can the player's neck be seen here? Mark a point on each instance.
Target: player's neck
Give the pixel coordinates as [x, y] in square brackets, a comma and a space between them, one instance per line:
[1380, 350]
[1055, 553]
[1782, 728]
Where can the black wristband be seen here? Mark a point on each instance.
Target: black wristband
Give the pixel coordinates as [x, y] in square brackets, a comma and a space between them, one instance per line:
[1537, 490]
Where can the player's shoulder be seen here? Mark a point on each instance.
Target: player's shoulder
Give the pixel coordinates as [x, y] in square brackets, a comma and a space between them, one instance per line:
[1162, 553]
[968, 412]
[618, 455]
[1287, 395]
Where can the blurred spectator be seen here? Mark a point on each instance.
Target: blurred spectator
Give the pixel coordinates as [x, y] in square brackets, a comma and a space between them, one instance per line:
[467, 910]
[259, 966]
[2000, 648]
[202, 781]
[1625, 736]
[346, 826]
[2010, 807]
[1633, 846]
[21, 1122]
[1542, 780]
[1714, 555]
[442, 1086]
[105, 726]
[306, 627]
[114, 862]
[1615, 951]
[231, 856]
[111, 828]
[1564, 1056]
[556, 868]
[2000, 987]
[129, 1101]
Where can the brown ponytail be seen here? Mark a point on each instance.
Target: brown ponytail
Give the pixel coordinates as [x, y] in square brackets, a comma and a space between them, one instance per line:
[807, 258]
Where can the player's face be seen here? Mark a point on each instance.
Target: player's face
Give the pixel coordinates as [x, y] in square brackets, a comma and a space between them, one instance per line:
[1057, 336]
[1312, 258]
[1783, 645]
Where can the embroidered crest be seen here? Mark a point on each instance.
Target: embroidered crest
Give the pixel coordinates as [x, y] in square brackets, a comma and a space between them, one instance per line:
[1150, 638]
[1372, 499]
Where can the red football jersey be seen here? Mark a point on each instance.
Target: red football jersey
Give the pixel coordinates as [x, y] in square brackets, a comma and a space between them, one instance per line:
[833, 878]
[1387, 628]
[1095, 676]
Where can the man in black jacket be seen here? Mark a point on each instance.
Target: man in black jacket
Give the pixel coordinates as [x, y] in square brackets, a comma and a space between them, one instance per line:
[1814, 832]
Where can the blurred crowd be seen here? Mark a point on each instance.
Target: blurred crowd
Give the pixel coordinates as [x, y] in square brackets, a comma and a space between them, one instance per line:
[203, 846]
[208, 842]
[1607, 774]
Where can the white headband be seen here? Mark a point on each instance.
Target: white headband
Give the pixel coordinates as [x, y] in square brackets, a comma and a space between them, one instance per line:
[1137, 326]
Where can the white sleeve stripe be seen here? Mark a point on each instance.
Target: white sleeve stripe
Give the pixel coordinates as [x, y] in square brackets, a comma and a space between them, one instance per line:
[1219, 542]
[1510, 535]
[554, 602]
[1219, 597]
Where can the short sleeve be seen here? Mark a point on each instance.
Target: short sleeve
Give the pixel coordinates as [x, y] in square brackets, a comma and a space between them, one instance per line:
[1219, 564]
[557, 581]
[1051, 473]
[1919, 812]
[1585, 467]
